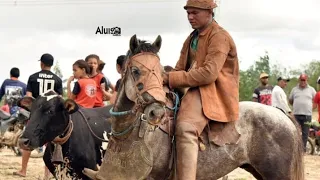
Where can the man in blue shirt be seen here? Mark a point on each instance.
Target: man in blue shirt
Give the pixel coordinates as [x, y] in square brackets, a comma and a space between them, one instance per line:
[13, 89]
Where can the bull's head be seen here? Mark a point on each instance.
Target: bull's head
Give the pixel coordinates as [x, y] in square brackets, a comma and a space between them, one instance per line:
[49, 117]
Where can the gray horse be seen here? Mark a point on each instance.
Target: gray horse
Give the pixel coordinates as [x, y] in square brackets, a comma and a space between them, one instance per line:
[143, 129]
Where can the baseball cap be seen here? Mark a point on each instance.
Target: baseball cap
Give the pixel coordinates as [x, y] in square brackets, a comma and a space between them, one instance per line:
[47, 59]
[283, 78]
[262, 75]
[303, 77]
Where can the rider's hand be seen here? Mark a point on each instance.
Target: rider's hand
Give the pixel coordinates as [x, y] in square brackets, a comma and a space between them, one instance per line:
[165, 77]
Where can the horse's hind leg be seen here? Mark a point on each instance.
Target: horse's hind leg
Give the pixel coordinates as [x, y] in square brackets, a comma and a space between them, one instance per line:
[271, 168]
[252, 171]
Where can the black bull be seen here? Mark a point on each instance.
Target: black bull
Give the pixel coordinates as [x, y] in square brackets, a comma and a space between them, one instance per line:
[51, 121]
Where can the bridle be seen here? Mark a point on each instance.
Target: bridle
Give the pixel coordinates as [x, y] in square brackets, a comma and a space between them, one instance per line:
[140, 103]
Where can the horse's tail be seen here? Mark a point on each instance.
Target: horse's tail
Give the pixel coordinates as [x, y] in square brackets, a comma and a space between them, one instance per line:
[297, 166]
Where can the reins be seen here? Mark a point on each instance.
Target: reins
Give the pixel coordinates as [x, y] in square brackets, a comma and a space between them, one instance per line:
[128, 129]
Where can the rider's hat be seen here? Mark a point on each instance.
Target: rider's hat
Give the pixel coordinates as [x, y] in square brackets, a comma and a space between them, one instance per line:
[201, 4]
[264, 75]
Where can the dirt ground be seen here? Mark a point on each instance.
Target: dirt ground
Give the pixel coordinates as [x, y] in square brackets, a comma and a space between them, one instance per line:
[10, 163]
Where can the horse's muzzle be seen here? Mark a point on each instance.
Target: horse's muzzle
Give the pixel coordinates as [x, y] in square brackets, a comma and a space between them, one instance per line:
[154, 113]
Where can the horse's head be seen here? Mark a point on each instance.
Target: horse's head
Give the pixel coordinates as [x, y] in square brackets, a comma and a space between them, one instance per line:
[139, 107]
[142, 81]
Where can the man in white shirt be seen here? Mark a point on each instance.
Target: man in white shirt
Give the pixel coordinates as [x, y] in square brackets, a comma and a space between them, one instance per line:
[279, 97]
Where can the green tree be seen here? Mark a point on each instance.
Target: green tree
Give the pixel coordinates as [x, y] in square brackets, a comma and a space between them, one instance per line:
[249, 79]
[313, 71]
[57, 70]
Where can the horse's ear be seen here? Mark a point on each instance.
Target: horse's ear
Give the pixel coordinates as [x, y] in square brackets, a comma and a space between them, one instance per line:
[134, 43]
[157, 43]
[71, 106]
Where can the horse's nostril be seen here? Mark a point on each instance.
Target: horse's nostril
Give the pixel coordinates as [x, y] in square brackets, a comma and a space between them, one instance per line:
[152, 114]
[26, 142]
[157, 113]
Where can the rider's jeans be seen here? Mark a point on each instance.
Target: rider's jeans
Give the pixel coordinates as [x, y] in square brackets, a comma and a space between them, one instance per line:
[304, 122]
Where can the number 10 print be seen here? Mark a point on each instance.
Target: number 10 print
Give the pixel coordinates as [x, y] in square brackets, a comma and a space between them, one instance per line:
[44, 85]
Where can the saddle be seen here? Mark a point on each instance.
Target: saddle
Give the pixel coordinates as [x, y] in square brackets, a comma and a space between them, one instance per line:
[218, 133]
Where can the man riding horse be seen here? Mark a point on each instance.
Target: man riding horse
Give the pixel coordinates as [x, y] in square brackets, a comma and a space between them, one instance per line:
[208, 67]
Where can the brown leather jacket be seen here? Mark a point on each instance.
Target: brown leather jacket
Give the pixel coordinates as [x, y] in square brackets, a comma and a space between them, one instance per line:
[216, 73]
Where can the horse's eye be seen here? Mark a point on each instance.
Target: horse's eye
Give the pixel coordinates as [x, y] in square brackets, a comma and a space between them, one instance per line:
[135, 72]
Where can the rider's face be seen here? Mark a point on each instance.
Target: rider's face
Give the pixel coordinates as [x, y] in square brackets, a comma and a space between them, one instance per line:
[198, 18]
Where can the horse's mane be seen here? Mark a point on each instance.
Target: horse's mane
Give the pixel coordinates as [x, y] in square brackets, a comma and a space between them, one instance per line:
[144, 46]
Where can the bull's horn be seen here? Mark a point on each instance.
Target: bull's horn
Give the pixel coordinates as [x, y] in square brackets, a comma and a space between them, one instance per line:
[90, 173]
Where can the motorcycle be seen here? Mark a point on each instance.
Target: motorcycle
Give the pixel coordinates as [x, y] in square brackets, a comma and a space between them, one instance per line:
[11, 128]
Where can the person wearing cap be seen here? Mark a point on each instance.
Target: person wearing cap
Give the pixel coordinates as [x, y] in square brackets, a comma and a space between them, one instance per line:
[208, 67]
[279, 97]
[263, 93]
[38, 84]
[302, 98]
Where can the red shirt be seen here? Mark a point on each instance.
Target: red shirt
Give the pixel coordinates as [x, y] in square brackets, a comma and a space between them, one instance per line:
[87, 95]
[316, 100]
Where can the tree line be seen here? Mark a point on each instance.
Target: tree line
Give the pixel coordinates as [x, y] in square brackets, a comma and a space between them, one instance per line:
[249, 79]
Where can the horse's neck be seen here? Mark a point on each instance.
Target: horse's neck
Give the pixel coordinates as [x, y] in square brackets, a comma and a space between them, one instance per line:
[122, 102]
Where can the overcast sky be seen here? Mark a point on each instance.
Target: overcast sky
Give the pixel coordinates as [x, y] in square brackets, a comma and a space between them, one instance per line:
[288, 29]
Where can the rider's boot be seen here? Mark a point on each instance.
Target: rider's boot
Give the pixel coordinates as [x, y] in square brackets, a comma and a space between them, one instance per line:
[187, 151]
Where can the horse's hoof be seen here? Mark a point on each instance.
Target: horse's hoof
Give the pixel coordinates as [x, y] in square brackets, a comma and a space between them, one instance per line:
[90, 173]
